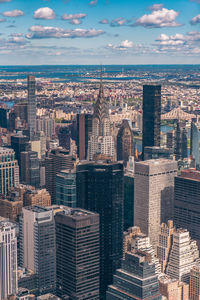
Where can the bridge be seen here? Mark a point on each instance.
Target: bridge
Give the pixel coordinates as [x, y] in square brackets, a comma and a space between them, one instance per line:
[178, 114]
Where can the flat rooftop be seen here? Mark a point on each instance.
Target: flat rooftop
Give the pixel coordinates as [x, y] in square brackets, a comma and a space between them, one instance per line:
[36, 208]
[192, 174]
[75, 212]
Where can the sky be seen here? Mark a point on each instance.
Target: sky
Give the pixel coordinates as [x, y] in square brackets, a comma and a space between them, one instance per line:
[62, 32]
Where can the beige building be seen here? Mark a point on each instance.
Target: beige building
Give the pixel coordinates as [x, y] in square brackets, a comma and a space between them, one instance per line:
[195, 282]
[37, 197]
[153, 195]
[10, 209]
[165, 243]
[172, 289]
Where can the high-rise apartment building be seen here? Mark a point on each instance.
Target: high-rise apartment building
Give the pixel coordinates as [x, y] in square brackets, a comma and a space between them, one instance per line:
[151, 116]
[8, 259]
[31, 105]
[77, 253]
[9, 170]
[46, 125]
[165, 243]
[100, 189]
[153, 195]
[66, 188]
[187, 202]
[125, 142]
[30, 168]
[101, 140]
[172, 289]
[84, 129]
[195, 282]
[135, 280]
[37, 245]
[183, 256]
[58, 159]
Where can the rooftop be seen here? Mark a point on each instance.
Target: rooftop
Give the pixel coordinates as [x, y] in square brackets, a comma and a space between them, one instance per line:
[192, 174]
[37, 209]
[75, 212]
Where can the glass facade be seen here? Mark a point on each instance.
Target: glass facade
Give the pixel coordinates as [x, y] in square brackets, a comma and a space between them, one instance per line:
[66, 188]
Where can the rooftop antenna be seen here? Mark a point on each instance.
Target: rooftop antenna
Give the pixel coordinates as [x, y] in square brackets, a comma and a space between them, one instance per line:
[101, 74]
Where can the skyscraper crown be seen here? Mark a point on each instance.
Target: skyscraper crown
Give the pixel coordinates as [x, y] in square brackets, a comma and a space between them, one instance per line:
[101, 107]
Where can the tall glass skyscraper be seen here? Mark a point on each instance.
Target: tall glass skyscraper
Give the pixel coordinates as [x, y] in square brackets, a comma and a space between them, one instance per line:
[66, 188]
[151, 116]
[194, 143]
[100, 189]
[31, 105]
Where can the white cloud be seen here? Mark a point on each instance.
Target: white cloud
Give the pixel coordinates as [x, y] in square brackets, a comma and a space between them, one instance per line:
[45, 13]
[156, 7]
[126, 44]
[118, 22]
[75, 22]
[13, 13]
[72, 17]
[104, 21]
[159, 18]
[93, 2]
[43, 32]
[195, 20]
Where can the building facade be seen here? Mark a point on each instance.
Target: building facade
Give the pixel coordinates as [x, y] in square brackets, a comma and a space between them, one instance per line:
[151, 116]
[9, 170]
[100, 189]
[31, 105]
[153, 195]
[84, 129]
[8, 259]
[195, 282]
[77, 253]
[66, 188]
[30, 168]
[125, 142]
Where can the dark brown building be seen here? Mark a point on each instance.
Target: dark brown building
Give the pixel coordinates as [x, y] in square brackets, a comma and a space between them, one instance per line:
[125, 142]
[84, 128]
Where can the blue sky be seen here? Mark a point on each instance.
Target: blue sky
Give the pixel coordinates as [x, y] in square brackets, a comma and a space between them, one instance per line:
[99, 32]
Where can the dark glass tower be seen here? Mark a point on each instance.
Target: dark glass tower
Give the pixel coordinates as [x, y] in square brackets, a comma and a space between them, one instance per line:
[19, 143]
[84, 128]
[187, 202]
[151, 116]
[125, 142]
[30, 168]
[135, 280]
[128, 201]
[194, 143]
[31, 105]
[100, 189]
[77, 254]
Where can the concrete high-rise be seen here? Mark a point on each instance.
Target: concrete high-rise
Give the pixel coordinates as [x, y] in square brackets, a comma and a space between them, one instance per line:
[165, 243]
[84, 129]
[77, 253]
[8, 259]
[31, 105]
[153, 195]
[101, 141]
[195, 282]
[66, 188]
[9, 170]
[135, 280]
[100, 189]
[37, 245]
[183, 256]
[151, 116]
[187, 202]
[46, 125]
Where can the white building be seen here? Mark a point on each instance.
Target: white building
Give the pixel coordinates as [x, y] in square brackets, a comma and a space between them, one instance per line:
[153, 195]
[8, 259]
[9, 170]
[183, 256]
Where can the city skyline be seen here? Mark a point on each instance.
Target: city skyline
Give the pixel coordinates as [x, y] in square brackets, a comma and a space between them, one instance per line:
[99, 31]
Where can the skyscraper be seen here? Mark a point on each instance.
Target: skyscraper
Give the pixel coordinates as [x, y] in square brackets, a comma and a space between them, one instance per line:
[101, 141]
[9, 170]
[180, 147]
[125, 142]
[194, 143]
[135, 280]
[46, 125]
[100, 189]
[31, 105]
[128, 200]
[183, 256]
[187, 202]
[37, 245]
[19, 143]
[8, 259]
[84, 129]
[30, 169]
[151, 116]
[77, 253]
[66, 188]
[153, 195]
[195, 282]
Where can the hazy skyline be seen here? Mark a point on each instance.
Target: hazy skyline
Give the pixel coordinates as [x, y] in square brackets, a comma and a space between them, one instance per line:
[107, 32]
